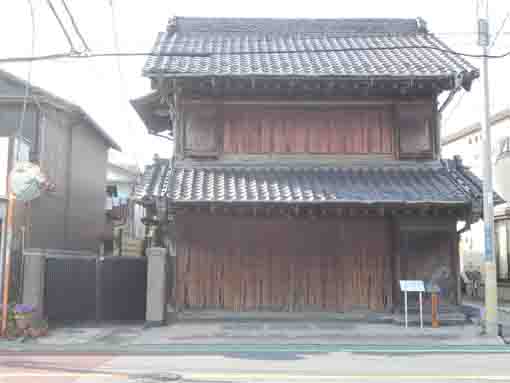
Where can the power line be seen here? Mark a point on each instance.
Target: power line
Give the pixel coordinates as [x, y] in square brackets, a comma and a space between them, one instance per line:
[122, 82]
[116, 38]
[498, 33]
[454, 108]
[27, 83]
[61, 26]
[75, 26]
[77, 55]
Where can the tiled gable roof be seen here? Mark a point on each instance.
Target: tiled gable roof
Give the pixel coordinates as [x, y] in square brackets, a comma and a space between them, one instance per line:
[341, 48]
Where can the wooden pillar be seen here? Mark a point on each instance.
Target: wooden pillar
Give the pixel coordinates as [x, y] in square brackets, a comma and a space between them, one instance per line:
[455, 264]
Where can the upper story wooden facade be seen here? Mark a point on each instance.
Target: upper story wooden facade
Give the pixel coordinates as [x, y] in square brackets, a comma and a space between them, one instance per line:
[235, 89]
[356, 128]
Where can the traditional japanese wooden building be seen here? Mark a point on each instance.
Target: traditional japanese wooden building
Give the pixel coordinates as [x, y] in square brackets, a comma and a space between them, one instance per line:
[307, 172]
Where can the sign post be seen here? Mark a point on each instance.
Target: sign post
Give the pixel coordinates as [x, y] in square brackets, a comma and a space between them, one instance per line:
[412, 286]
[421, 309]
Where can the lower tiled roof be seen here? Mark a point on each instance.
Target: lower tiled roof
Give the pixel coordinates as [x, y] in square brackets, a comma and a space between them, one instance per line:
[436, 182]
[315, 184]
[155, 179]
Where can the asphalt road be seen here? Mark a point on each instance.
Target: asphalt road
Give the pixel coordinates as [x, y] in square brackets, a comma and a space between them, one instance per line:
[258, 367]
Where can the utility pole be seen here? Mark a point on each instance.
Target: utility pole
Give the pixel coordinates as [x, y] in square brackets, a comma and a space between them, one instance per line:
[491, 288]
[7, 261]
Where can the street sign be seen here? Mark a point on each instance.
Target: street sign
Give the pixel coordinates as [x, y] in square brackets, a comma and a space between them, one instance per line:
[412, 286]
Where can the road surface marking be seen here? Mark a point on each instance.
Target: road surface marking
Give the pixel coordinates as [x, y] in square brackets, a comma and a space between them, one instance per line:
[282, 376]
[59, 375]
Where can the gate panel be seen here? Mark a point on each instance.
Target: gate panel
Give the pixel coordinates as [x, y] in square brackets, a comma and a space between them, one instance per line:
[123, 284]
[70, 292]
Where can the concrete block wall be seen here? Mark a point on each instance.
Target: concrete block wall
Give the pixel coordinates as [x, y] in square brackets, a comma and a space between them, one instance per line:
[157, 264]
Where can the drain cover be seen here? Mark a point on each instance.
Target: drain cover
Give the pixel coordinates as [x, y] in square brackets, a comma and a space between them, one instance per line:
[154, 378]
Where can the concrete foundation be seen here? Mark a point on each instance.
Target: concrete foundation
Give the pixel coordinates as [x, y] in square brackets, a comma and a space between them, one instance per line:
[157, 264]
[33, 281]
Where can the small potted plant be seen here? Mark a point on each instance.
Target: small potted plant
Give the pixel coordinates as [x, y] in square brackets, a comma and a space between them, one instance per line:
[23, 315]
[39, 328]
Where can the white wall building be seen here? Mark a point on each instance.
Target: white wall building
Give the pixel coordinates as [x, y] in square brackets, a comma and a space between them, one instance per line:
[467, 143]
[121, 181]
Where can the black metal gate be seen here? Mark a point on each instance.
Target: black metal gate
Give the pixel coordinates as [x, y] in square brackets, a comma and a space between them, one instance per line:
[95, 288]
[123, 285]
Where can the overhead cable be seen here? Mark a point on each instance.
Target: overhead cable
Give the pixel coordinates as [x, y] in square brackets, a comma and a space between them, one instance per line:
[62, 26]
[498, 33]
[75, 26]
[76, 55]
[27, 82]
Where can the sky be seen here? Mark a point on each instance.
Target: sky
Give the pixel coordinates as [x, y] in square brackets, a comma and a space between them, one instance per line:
[104, 92]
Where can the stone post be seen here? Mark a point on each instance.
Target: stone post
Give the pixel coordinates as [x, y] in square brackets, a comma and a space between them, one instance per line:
[157, 260]
[34, 275]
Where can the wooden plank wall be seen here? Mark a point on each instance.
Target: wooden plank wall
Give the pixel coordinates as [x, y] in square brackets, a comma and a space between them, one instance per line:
[349, 130]
[431, 256]
[243, 264]
[417, 128]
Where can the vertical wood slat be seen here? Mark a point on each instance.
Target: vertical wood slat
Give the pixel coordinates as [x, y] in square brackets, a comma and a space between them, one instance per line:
[284, 265]
[347, 131]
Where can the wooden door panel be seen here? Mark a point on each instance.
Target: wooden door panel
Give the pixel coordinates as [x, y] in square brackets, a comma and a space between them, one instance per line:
[288, 265]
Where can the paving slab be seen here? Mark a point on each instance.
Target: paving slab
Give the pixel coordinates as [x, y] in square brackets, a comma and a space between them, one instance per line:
[311, 332]
[267, 333]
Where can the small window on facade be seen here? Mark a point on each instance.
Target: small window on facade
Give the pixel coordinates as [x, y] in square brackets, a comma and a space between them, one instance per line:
[470, 141]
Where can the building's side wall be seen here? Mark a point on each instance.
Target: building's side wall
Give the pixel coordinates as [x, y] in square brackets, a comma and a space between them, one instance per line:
[73, 156]
[222, 130]
[86, 214]
[47, 223]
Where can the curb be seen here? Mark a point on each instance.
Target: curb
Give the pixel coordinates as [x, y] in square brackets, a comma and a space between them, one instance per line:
[253, 348]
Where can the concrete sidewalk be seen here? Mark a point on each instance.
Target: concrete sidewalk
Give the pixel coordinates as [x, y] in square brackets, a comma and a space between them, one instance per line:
[475, 307]
[312, 332]
[207, 336]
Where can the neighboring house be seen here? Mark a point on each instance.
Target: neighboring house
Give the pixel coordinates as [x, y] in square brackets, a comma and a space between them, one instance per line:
[71, 150]
[467, 142]
[122, 179]
[123, 212]
[307, 172]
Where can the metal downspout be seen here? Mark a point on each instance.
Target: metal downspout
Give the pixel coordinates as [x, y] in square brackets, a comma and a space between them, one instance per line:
[446, 102]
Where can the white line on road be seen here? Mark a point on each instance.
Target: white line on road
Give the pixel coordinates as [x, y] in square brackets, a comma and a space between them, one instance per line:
[204, 376]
